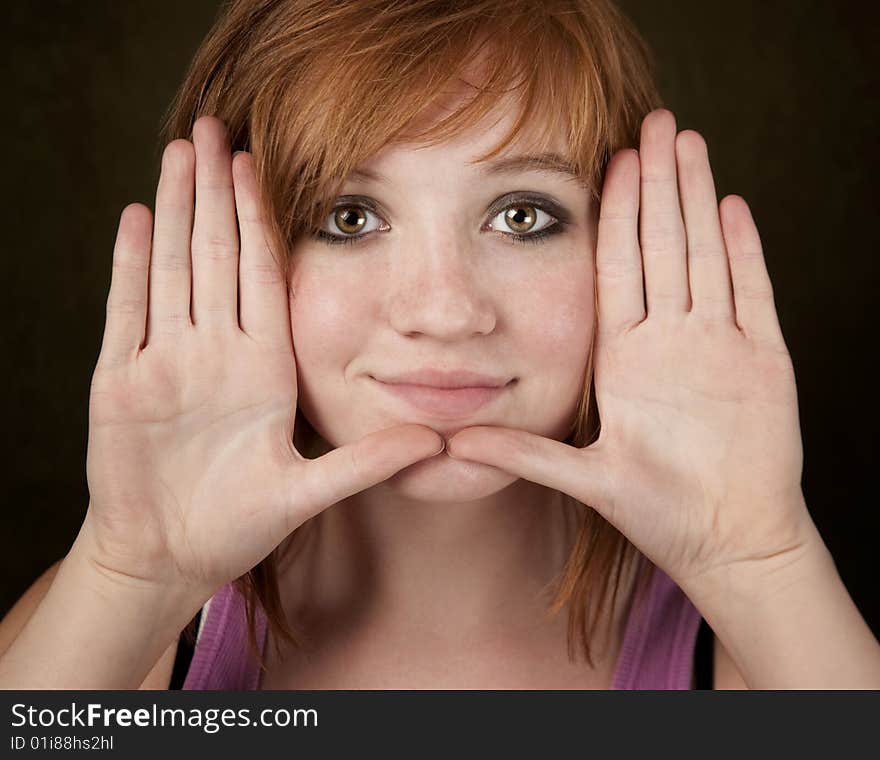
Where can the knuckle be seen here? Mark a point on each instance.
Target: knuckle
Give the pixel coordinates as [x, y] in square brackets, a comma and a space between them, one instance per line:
[749, 254]
[207, 121]
[135, 208]
[660, 115]
[217, 248]
[261, 274]
[658, 178]
[615, 267]
[753, 291]
[661, 238]
[705, 250]
[133, 221]
[712, 304]
[171, 262]
[530, 447]
[754, 294]
[732, 198]
[173, 320]
[217, 182]
[178, 155]
[712, 318]
[252, 218]
[356, 461]
[128, 265]
[125, 305]
[692, 141]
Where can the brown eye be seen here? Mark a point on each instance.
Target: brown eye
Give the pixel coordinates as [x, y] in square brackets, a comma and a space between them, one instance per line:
[520, 218]
[349, 219]
[350, 223]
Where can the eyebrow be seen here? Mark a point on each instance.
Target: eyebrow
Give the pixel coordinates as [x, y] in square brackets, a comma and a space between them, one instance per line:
[549, 163]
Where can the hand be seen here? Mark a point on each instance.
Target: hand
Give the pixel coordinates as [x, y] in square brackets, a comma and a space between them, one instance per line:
[699, 459]
[192, 472]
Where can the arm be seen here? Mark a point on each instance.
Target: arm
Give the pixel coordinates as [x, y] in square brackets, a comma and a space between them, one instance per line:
[15, 620]
[700, 459]
[791, 625]
[17, 617]
[725, 675]
[75, 628]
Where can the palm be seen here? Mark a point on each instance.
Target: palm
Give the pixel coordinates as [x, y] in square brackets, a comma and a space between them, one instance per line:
[182, 441]
[699, 459]
[193, 478]
[684, 410]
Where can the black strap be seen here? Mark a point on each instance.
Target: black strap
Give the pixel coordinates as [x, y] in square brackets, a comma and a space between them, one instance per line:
[703, 665]
[184, 655]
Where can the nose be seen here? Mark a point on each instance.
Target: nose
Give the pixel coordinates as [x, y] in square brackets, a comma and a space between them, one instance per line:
[439, 289]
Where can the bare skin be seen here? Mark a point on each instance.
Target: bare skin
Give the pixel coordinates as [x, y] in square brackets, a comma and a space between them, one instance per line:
[140, 568]
[192, 474]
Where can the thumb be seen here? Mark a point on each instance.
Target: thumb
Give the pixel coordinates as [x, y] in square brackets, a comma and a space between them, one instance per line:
[318, 483]
[580, 473]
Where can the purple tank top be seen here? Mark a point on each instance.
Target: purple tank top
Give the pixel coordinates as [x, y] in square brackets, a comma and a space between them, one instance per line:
[657, 650]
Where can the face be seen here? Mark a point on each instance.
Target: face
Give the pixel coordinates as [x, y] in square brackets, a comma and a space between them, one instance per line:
[439, 280]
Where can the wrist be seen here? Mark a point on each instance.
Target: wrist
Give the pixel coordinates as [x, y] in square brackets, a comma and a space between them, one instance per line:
[805, 559]
[165, 607]
[134, 577]
[96, 628]
[788, 622]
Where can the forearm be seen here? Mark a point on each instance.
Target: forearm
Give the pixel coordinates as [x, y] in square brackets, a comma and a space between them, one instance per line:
[92, 631]
[792, 626]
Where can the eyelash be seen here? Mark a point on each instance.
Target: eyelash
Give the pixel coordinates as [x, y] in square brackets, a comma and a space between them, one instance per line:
[534, 238]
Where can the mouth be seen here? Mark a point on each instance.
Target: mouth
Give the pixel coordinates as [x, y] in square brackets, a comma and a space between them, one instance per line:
[445, 403]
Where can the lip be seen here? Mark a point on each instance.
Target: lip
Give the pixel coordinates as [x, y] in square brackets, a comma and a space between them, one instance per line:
[437, 378]
[445, 402]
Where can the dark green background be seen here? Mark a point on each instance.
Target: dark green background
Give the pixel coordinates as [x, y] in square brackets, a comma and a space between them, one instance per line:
[784, 92]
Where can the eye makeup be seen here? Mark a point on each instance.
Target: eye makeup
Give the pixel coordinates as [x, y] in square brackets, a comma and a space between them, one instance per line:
[562, 218]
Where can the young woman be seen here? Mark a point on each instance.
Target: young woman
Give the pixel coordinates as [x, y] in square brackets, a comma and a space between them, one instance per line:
[458, 339]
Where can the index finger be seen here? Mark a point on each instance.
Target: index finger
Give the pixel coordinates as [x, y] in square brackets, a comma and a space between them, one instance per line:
[264, 313]
[618, 256]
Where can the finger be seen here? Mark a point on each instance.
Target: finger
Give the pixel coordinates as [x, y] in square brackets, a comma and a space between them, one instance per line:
[661, 229]
[127, 301]
[319, 483]
[618, 258]
[752, 290]
[708, 271]
[215, 235]
[264, 307]
[546, 461]
[170, 265]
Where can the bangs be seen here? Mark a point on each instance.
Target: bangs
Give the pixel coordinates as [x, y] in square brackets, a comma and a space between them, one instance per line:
[313, 89]
[365, 75]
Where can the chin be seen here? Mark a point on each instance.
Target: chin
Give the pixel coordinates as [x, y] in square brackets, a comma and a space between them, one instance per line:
[442, 478]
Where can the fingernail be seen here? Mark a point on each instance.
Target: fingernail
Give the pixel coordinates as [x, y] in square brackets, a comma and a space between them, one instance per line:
[237, 152]
[441, 449]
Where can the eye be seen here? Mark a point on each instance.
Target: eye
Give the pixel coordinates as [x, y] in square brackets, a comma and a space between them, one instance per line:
[532, 218]
[351, 220]
[526, 217]
[523, 219]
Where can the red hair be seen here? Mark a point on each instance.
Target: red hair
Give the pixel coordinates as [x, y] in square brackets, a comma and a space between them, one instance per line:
[314, 88]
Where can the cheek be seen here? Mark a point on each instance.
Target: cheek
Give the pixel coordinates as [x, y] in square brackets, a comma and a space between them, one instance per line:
[324, 315]
[325, 323]
[556, 321]
[554, 331]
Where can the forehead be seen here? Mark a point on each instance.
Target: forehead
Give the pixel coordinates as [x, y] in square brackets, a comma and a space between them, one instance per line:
[533, 148]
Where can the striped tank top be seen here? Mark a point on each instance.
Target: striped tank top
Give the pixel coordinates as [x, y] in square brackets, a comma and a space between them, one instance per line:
[666, 642]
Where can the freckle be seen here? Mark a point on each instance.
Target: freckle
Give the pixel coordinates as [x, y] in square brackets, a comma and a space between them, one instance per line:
[563, 322]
